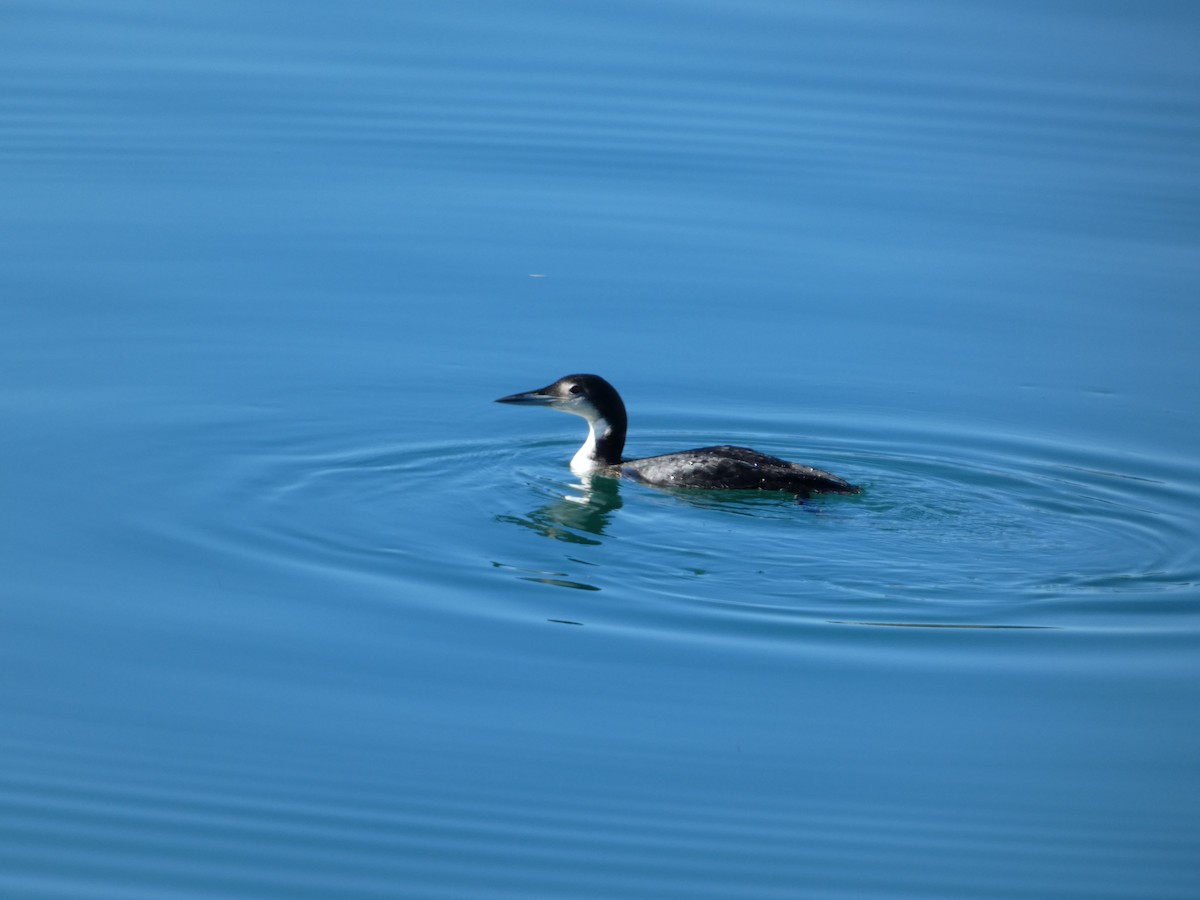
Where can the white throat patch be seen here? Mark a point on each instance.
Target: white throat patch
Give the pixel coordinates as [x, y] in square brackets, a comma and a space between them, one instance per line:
[585, 460]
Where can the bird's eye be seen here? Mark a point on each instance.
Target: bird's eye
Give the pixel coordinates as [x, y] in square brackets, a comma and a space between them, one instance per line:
[575, 388]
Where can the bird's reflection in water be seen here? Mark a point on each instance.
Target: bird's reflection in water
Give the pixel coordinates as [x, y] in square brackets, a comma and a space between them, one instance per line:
[579, 518]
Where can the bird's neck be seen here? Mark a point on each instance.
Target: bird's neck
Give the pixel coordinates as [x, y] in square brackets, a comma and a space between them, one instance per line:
[603, 447]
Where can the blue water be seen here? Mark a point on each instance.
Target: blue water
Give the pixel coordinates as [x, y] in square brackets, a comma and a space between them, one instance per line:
[291, 609]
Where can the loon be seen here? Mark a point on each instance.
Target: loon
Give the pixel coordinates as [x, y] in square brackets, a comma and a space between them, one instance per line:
[719, 468]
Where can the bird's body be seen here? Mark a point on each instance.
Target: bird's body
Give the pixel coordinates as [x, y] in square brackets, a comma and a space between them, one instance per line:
[733, 469]
[714, 468]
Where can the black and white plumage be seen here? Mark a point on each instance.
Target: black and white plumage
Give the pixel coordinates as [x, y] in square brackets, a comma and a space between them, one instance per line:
[719, 468]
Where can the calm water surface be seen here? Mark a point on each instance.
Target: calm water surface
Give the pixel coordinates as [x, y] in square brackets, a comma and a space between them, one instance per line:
[291, 609]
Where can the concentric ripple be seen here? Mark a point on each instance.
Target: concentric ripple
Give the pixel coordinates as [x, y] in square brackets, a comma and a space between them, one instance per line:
[978, 532]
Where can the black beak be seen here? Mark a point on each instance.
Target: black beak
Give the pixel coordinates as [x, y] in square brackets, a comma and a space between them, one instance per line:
[540, 397]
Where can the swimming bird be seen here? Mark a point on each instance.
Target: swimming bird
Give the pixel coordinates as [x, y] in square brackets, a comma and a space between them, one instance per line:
[720, 468]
